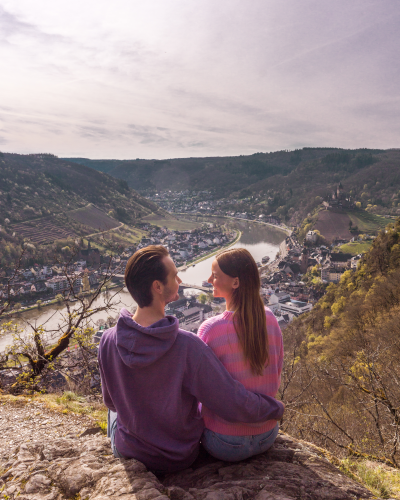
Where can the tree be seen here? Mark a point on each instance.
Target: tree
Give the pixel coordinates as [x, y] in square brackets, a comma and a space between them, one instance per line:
[210, 298]
[59, 298]
[42, 347]
[341, 375]
[202, 298]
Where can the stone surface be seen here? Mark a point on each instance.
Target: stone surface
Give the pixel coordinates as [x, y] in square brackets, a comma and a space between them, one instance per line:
[52, 466]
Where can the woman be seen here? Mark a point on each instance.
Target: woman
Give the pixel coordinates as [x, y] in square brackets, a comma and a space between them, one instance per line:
[248, 341]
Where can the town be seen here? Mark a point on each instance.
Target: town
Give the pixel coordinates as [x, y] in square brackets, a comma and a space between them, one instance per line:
[46, 284]
[204, 203]
[290, 284]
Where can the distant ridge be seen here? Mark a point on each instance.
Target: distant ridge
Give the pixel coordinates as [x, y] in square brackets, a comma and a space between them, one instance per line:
[293, 183]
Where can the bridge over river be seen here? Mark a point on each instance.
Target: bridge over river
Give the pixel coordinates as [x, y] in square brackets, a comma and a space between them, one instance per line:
[181, 286]
[206, 289]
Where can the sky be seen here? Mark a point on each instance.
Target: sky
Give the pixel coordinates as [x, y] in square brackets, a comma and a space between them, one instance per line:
[192, 78]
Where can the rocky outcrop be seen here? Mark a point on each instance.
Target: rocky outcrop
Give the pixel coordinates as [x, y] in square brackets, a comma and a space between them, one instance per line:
[49, 455]
[83, 468]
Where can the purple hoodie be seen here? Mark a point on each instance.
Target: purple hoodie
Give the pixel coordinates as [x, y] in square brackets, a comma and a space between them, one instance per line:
[154, 378]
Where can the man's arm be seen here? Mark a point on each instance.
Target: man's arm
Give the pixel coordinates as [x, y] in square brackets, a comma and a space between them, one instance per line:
[106, 395]
[228, 398]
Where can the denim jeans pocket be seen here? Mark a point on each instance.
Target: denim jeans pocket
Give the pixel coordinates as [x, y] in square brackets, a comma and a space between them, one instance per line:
[218, 439]
[266, 442]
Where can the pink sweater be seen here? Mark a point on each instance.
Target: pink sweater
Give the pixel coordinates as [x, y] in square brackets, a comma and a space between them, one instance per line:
[219, 333]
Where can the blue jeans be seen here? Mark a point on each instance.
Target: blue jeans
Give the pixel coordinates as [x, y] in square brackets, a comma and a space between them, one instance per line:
[236, 448]
[111, 428]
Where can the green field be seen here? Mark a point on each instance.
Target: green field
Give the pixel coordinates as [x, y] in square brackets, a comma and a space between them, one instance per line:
[174, 224]
[356, 247]
[125, 235]
[367, 222]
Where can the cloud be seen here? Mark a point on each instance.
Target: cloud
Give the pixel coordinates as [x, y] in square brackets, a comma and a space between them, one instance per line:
[11, 27]
[156, 79]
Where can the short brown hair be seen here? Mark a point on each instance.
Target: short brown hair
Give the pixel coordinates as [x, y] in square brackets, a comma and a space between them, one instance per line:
[143, 268]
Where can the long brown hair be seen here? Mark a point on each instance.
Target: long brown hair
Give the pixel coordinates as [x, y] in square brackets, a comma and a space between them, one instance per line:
[249, 313]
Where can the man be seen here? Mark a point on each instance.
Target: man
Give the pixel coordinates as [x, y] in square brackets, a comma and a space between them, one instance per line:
[154, 375]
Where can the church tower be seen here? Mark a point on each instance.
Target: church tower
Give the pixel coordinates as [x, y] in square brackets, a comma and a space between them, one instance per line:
[304, 260]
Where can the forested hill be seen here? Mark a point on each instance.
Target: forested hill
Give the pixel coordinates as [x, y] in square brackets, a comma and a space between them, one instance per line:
[47, 205]
[342, 368]
[225, 175]
[292, 183]
[39, 185]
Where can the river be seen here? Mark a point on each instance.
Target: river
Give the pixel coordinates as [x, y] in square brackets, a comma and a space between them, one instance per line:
[259, 239]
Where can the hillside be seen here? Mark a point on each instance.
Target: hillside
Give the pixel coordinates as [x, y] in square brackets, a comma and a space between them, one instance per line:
[44, 198]
[341, 223]
[39, 185]
[291, 184]
[225, 175]
[342, 370]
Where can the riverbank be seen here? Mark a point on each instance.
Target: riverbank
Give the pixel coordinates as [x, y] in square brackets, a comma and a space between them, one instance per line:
[283, 227]
[213, 252]
[53, 302]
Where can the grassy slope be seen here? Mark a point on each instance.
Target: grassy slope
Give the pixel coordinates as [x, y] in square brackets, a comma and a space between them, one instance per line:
[335, 224]
[177, 225]
[356, 247]
[367, 222]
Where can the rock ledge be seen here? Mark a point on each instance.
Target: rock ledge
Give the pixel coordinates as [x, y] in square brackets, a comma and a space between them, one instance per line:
[84, 468]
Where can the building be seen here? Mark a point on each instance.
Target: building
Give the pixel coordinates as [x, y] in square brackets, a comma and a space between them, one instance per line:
[331, 274]
[276, 299]
[295, 307]
[207, 310]
[177, 305]
[311, 237]
[354, 261]
[340, 259]
[192, 315]
[85, 283]
[58, 284]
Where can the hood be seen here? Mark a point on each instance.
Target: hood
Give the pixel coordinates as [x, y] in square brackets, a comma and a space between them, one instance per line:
[142, 346]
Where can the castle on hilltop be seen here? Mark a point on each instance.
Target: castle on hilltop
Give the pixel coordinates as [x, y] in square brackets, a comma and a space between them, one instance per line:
[339, 199]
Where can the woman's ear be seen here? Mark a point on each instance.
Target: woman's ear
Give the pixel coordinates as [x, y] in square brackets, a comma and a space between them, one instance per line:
[235, 283]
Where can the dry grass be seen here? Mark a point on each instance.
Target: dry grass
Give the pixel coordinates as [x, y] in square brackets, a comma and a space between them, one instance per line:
[68, 402]
[383, 481]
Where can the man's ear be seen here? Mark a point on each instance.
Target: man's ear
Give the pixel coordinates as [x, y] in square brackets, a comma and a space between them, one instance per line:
[235, 283]
[157, 287]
